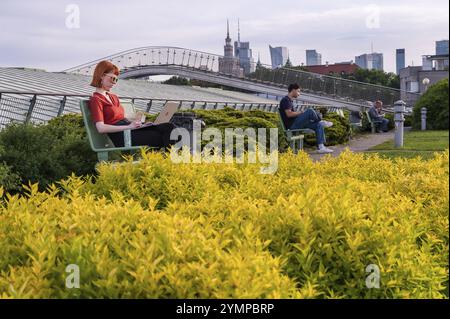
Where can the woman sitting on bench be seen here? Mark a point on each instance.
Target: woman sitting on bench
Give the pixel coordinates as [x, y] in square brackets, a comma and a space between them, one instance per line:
[109, 116]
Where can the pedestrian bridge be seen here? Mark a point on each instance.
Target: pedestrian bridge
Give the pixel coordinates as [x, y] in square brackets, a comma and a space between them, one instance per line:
[316, 88]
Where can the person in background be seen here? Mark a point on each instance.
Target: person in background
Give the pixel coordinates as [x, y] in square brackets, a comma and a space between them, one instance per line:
[301, 120]
[109, 116]
[377, 116]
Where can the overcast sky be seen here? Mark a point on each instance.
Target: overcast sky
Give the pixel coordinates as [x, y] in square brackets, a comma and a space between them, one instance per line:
[41, 34]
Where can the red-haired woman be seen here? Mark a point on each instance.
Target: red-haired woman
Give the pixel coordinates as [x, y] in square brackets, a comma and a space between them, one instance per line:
[109, 116]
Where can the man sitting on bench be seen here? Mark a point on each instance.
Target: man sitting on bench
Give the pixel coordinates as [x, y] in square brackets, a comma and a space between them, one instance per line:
[377, 116]
[302, 120]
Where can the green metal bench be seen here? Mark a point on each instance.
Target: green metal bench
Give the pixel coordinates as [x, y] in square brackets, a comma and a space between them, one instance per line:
[101, 143]
[355, 122]
[294, 136]
[373, 124]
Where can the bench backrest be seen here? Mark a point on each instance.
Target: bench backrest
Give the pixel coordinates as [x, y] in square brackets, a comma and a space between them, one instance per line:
[340, 112]
[355, 118]
[129, 110]
[368, 117]
[281, 120]
[98, 141]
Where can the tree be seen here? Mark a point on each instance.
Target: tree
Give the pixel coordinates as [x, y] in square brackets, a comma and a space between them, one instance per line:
[435, 99]
[374, 77]
[175, 80]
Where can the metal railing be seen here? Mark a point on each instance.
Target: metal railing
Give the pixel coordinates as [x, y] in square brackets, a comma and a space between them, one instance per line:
[26, 107]
[323, 85]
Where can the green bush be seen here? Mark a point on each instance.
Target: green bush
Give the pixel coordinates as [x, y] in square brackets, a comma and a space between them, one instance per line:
[337, 134]
[391, 124]
[435, 99]
[8, 180]
[73, 147]
[230, 118]
[47, 153]
[408, 121]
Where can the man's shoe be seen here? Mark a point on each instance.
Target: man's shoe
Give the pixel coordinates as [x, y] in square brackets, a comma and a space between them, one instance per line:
[324, 150]
[326, 123]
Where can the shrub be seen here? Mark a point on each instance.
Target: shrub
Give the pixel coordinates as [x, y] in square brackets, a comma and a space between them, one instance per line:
[435, 99]
[27, 149]
[407, 123]
[73, 148]
[391, 124]
[8, 180]
[337, 134]
[156, 229]
[47, 153]
[230, 118]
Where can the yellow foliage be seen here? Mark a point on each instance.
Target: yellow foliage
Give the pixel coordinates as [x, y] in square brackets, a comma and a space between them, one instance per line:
[156, 229]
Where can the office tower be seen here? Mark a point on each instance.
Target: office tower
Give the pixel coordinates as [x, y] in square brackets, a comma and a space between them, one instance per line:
[400, 60]
[313, 57]
[371, 61]
[279, 56]
[442, 47]
[243, 52]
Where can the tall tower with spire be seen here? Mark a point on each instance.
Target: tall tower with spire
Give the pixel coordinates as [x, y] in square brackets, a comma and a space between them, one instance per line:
[237, 45]
[229, 64]
[259, 64]
[243, 52]
[228, 48]
[239, 32]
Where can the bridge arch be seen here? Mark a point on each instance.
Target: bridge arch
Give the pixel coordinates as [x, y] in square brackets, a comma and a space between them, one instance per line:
[317, 89]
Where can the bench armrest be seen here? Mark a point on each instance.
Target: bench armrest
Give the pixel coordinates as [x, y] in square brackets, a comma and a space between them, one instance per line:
[127, 138]
[301, 130]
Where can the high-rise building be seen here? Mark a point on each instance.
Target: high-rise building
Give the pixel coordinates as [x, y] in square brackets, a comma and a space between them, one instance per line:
[400, 60]
[442, 47]
[243, 52]
[371, 61]
[313, 57]
[229, 64]
[279, 56]
[361, 61]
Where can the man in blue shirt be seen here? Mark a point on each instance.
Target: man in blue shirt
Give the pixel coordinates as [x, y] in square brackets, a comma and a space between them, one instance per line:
[302, 120]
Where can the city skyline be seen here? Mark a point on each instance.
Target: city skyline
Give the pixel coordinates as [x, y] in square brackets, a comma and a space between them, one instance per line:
[36, 35]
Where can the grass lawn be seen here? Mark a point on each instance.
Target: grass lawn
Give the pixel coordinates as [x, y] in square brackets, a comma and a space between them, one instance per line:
[415, 143]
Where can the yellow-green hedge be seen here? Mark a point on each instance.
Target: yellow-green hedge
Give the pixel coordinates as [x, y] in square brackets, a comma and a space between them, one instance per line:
[161, 230]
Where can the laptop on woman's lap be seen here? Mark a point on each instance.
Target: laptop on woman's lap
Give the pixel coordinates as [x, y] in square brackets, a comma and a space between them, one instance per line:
[165, 115]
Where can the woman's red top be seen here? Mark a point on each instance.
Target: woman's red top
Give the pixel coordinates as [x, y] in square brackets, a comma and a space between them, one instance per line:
[104, 111]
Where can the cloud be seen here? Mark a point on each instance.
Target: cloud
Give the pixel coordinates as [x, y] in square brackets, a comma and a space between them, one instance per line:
[34, 33]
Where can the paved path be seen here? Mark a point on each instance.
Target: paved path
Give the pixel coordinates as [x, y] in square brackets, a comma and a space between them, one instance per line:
[360, 143]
